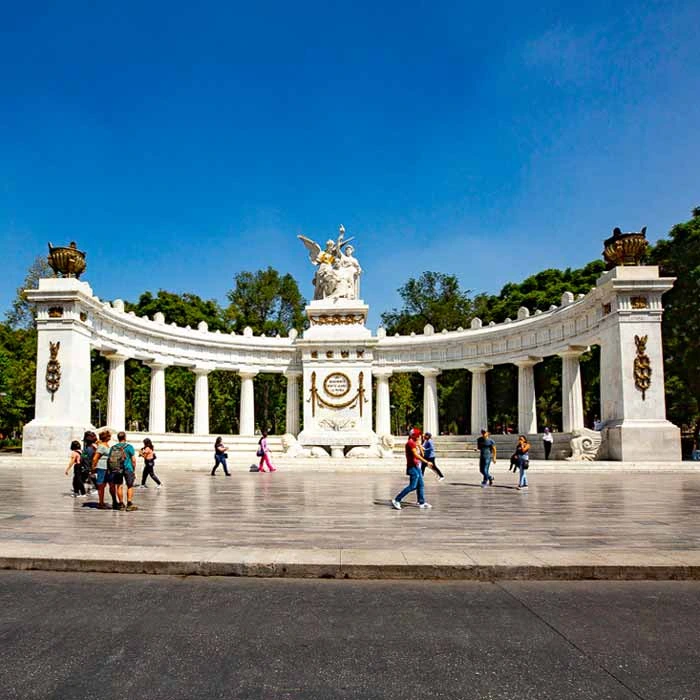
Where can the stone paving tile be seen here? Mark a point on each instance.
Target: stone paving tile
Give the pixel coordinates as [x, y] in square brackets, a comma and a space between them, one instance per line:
[578, 518]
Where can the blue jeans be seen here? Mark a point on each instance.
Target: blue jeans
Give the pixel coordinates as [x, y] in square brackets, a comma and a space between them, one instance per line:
[523, 463]
[219, 459]
[416, 482]
[484, 464]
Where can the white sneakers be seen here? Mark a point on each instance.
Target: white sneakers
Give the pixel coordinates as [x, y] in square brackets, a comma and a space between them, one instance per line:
[395, 504]
[424, 505]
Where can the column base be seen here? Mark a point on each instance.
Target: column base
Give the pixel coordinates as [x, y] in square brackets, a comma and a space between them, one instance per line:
[642, 441]
[41, 439]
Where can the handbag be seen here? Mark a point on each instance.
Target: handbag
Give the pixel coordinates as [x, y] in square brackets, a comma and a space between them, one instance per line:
[260, 452]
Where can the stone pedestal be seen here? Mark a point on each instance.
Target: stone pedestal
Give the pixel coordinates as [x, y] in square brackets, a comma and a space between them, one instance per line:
[635, 428]
[337, 355]
[64, 414]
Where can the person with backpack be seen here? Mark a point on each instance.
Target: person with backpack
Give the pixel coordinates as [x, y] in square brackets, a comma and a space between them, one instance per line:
[264, 454]
[149, 462]
[121, 468]
[87, 461]
[99, 465]
[75, 463]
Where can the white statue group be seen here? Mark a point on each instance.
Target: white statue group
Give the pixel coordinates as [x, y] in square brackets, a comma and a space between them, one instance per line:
[337, 270]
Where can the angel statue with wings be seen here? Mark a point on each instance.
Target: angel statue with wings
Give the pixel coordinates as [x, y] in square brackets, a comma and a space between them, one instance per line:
[338, 271]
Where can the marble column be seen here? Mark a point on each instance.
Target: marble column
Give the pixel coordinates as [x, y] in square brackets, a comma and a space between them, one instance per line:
[116, 399]
[527, 410]
[430, 401]
[247, 414]
[572, 393]
[382, 425]
[480, 415]
[201, 400]
[156, 413]
[292, 412]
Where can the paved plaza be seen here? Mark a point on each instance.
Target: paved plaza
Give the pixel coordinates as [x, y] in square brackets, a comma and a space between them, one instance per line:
[341, 524]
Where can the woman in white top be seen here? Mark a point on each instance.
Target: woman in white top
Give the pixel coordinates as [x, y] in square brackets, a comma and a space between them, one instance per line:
[547, 440]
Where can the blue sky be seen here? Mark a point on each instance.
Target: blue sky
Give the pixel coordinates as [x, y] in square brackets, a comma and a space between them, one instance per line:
[179, 143]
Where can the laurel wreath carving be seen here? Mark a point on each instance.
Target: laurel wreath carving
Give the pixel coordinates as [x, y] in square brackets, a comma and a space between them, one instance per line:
[53, 369]
[642, 366]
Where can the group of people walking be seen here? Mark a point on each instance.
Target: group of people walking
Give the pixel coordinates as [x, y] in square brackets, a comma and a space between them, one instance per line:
[101, 465]
[263, 452]
[420, 453]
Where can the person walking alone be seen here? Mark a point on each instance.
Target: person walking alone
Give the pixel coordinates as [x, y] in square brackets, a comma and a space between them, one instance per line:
[522, 452]
[429, 454]
[220, 456]
[547, 441]
[413, 470]
[149, 463]
[487, 456]
[264, 454]
[74, 463]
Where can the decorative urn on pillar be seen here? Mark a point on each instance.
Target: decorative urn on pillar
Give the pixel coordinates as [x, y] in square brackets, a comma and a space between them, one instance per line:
[67, 261]
[625, 248]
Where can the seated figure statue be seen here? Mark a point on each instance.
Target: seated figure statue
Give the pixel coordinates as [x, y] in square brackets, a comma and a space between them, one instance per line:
[384, 449]
[585, 444]
[292, 448]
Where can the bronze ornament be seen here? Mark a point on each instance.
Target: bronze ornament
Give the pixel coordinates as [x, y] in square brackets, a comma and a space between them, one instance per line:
[53, 369]
[55, 311]
[336, 377]
[642, 366]
[639, 302]
[625, 248]
[67, 261]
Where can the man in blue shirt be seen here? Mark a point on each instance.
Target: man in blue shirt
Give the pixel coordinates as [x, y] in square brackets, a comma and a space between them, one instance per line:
[122, 455]
[429, 454]
[487, 455]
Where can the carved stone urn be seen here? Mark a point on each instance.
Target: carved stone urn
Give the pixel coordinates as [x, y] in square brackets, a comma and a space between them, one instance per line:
[67, 261]
[625, 248]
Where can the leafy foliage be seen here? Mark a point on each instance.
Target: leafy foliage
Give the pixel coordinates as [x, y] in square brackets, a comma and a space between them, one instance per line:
[22, 313]
[182, 309]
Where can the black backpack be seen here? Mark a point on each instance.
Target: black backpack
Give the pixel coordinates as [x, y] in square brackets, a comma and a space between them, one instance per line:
[86, 462]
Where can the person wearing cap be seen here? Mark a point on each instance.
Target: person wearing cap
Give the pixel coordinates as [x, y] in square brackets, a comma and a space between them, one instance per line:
[487, 455]
[413, 461]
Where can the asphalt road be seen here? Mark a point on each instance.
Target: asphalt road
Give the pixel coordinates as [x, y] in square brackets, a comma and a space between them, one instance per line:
[72, 636]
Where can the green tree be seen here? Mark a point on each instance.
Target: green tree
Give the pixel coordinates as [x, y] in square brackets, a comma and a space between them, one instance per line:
[679, 257]
[182, 309]
[434, 298]
[22, 313]
[267, 302]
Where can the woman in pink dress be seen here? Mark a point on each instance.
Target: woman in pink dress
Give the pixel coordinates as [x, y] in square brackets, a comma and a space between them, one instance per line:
[264, 454]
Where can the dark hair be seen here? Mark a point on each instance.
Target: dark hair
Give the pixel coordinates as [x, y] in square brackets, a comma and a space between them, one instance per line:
[524, 437]
[262, 436]
[218, 441]
[75, 445]
[147, 443]
[105, 435]
[121, 436]
[427, 436]
[89, 437]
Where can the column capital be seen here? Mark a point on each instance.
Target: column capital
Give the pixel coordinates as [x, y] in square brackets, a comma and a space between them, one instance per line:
[382, 372]
[116, 356]
[573, 351]
[200, 370]
[292, 374]
[479, 369]
[529, 361]
[157, 363]
[429, 372]
[247, 372]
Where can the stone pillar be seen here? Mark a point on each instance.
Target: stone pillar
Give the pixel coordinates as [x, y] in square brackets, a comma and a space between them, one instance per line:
[571, 391]
[247, 414]
[201, 400]
[527, 411]
[430, 401]
[480, 416]
[382, 425]
[156, 412]
[116, 399]
[292, 413]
